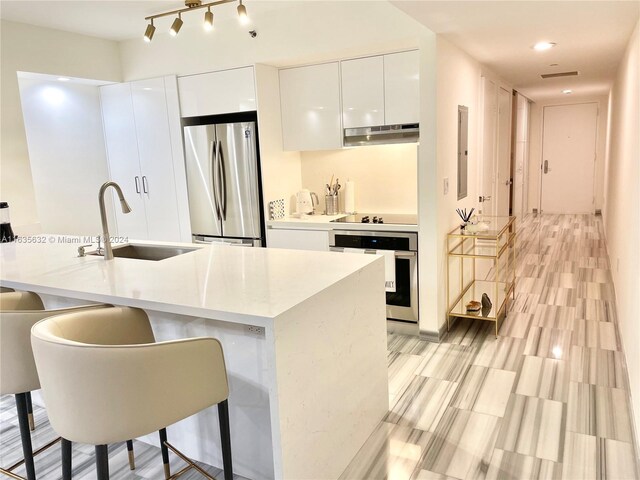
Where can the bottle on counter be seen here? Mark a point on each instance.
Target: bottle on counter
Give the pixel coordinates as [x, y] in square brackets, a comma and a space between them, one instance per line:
[6, 232]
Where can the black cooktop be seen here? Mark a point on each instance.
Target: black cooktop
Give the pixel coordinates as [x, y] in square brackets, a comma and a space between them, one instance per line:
[390, 218]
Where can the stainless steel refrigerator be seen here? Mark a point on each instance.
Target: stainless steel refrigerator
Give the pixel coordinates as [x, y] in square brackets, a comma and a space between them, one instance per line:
[223, 179]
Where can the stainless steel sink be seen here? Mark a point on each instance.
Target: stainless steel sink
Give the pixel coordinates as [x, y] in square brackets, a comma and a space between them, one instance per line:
[148, 252]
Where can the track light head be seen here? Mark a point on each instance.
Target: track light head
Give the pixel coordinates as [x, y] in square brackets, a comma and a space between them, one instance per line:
[242, 14]
[176, 26]
[148, 33]
[208, 20]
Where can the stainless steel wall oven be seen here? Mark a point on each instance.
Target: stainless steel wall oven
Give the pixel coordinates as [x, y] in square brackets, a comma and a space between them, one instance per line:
[402, 304]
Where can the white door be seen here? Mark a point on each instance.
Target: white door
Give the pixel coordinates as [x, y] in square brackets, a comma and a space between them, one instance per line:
[156, 159]
[363, 92]
[122, 153]
[402, 88]
[488, 167]
[519, 206]
[568, 158]
[503, 180]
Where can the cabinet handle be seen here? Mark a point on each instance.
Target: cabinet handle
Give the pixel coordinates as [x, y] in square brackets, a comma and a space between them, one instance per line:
[145, 189]
[137, 184]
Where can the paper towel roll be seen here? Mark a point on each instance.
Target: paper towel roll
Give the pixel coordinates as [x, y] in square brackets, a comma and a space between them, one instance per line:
[350, 197]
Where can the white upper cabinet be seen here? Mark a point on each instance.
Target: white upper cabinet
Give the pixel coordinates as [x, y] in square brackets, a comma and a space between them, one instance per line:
[381, 90]
[363, 92]
[227, 91]
[402, 88]
[310, 100]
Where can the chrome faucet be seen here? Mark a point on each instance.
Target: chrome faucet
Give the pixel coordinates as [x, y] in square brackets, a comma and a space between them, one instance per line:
[108, 252]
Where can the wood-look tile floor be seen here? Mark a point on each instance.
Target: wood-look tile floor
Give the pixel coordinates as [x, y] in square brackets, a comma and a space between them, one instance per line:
[547, 399]
[148, 458]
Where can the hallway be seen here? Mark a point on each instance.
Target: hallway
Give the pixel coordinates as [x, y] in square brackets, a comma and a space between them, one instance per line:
[547, 399]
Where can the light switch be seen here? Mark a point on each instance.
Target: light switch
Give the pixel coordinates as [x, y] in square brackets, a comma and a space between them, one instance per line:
[446, 185]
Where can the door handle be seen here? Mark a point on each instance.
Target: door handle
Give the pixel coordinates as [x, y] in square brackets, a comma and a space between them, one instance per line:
[214, 181]
[482, 198]
[137, 184]
[145, 189]
[546, 166]
[223, 182]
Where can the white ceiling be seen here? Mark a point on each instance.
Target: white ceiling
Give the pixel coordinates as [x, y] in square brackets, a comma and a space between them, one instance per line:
[591, 35]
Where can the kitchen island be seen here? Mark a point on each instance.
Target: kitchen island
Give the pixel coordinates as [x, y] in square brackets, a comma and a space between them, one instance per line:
[304, 338]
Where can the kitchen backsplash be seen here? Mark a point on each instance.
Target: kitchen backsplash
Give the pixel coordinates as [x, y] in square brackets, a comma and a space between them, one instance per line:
[385, 176]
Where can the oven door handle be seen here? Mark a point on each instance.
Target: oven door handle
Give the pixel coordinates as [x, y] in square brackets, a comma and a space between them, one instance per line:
[399, 254]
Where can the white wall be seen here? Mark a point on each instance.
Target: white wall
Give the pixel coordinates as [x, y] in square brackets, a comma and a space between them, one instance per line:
[535, 145]
[622, 208]
[385, 176]
[34, 49]
[63, 123]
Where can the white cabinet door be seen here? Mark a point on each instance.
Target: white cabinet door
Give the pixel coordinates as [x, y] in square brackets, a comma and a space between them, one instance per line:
[402, 88]
[310, 100]
[317, 240]
[363, 92]
[214, 93]
[122, 153]
[156, 159]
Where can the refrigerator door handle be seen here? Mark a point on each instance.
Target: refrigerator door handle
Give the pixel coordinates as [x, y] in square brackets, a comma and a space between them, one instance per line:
[213, 154]
[223, 182]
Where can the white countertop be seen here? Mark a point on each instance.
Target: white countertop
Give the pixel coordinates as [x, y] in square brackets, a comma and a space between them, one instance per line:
[325, 222]
[235, 284]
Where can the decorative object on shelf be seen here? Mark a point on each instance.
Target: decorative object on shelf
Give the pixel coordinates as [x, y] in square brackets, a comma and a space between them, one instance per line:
[194, 5]
[478, 227]
[276, 209]
[486, 305]
[464, 216]
[486, 301]
[473, 307]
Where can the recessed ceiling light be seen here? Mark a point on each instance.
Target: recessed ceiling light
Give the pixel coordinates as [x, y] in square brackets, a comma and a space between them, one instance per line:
[567, 91]
[541, 46]
[63, 79]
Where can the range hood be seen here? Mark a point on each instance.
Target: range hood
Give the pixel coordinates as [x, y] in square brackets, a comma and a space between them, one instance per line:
[384, 134]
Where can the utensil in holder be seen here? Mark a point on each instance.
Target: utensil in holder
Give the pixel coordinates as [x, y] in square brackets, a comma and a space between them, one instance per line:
[331, 204]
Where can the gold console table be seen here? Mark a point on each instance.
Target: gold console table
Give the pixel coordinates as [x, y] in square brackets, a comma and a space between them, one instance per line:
[497, 246]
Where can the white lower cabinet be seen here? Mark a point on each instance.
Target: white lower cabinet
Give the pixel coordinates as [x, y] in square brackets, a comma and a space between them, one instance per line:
[296, 239]
[139, 135]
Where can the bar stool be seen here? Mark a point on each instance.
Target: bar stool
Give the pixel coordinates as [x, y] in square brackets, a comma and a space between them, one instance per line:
[104, 381]
[19, 311]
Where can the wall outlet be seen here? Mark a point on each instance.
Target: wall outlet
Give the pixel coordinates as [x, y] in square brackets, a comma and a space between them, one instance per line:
[255, 330]
[446, 185]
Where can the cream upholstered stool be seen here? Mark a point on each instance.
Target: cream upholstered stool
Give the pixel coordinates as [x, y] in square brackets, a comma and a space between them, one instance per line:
[104, 379]
[19, 311]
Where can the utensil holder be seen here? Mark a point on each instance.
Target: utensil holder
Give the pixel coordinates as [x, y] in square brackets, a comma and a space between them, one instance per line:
[331, 204]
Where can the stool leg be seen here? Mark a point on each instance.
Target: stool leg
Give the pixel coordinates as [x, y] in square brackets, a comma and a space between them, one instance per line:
[25, 434]
[32, 423]
[225, 437]
[165, 453]
[66, 459]
[102, 462]
[132, 460]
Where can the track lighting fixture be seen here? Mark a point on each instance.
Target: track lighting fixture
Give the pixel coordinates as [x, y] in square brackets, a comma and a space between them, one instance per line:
[208, 20]
[242, 14]
[193, 5]
[176, 25]
[148, 33]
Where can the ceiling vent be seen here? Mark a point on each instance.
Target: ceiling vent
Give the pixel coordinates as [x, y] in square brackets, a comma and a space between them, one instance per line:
[560, 74]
